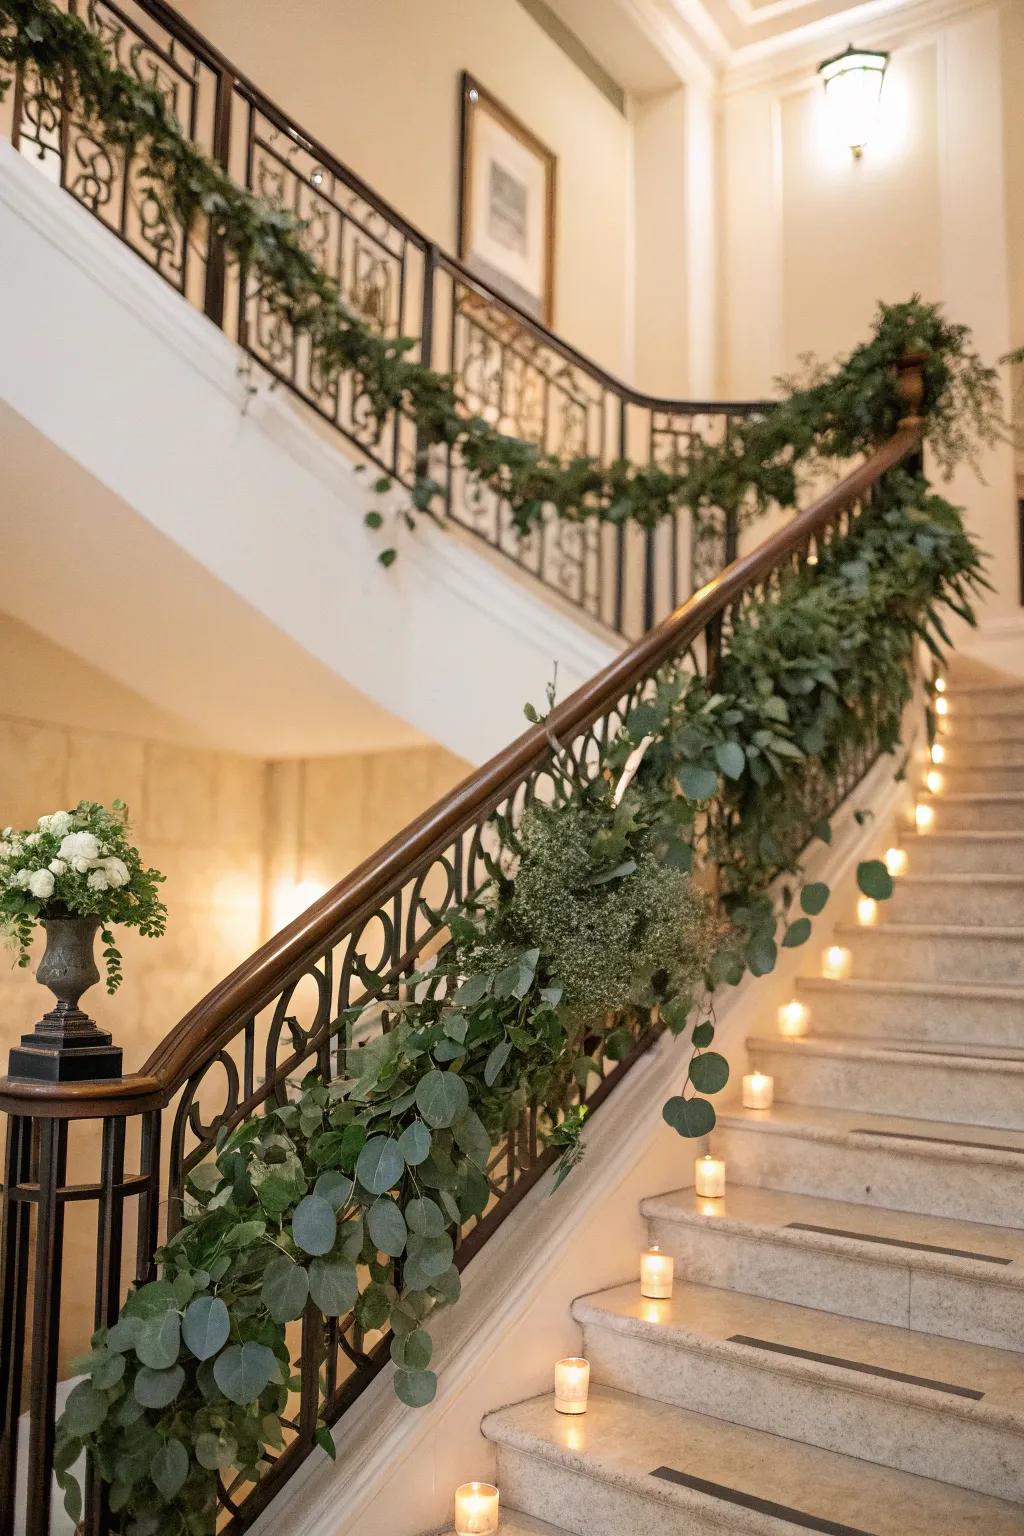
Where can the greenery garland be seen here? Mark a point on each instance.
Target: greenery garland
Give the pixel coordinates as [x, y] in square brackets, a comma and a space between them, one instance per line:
[594, 926]
[833, 416]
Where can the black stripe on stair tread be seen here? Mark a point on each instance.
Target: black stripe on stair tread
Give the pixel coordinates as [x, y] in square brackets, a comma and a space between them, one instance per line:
[897, 1242]
[860, 1366]
[761, 1506]
[941, 1141]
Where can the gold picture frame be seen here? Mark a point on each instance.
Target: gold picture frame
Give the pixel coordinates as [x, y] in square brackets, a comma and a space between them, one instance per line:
[507, 203]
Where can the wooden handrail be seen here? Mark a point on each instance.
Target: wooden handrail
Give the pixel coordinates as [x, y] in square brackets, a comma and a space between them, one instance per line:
[283, 958]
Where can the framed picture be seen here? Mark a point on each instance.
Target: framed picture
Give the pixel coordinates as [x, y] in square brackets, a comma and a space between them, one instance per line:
[506, 203]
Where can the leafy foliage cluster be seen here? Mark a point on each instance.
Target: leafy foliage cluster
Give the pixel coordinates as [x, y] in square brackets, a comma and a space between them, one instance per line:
[836, 415]
[78, 863]
[594, 928]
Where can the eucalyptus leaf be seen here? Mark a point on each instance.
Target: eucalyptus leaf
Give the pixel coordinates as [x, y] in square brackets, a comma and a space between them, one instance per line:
[244, 1371]
[440, 1098]
[314, 1225]
[414, 1143]
[333, 1287]
[386, 1226]
[169, 1468]
[874, 879]
[416, 1388]
[205, 1326]
[158, 1389]
[690, 1117]
[285, 1289]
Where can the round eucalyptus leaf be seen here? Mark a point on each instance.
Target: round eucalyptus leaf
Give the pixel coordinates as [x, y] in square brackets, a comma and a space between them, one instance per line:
[159, 1341]
[448, 1285]
[373, 1307]
[425, 1217]
[432, 1255]
[731, 758]
[123, 1334]
[703, 1034]
[386, 1226]
[215, 1451]
[797, 933]
[285, 1289]
[314, 1225]
[414, 1143]
[690, 1117]
[762, 954]
[472, 1138]
[441, 1097]
[84, 1411]
[874, 879]
[205, 1326]
[334, 1187]
[813, 897]
[709, 1073]
[698, 783]
[380, 1165]
[412, 1351]
[152, 1300]
[243, 1371]
[416, 1388]
[157, 1389]
[333, 1287]
[108, 1371]
[169, 1468]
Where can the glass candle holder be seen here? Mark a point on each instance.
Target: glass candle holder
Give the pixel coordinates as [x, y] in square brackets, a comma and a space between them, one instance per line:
[709, 1177]
[924, 816]
[572, 1383]
[476, 1509]
[794, 1019]
[867, 911]
[938, 752]
[941, 706]
[896, 861]
[656, 1274]
[933, 781]
[758, 1091]
[836, 963]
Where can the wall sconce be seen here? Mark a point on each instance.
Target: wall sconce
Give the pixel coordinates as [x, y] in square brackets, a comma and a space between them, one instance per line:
[853, 87]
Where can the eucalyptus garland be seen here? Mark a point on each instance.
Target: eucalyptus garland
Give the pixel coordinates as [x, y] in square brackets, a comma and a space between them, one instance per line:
[595, 925]
[833, 416]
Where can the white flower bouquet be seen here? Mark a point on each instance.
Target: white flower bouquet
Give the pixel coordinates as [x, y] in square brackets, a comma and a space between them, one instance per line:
[78, 863]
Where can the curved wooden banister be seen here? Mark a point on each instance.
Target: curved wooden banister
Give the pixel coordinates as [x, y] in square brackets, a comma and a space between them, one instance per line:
[252, 984]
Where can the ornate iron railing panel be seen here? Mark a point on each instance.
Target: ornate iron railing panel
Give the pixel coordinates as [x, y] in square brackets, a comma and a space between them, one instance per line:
[508, 368]
[290, 1008]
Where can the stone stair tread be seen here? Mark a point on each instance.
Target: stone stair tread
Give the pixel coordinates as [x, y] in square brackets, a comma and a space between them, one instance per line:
[937, 988]
[874, 1233]
[855, 931]
[746, 1480]
[909, 1137]
[878, 1359]
[512, 1523]
[966, 881]
[1004, 1058]
[965, 797]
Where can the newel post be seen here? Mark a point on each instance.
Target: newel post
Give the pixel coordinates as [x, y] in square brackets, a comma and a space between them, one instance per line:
[910, 388]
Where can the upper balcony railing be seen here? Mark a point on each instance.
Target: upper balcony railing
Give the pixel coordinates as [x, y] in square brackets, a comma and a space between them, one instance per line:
[510, 370]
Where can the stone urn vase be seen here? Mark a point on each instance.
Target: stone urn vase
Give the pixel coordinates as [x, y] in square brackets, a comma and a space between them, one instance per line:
[67, 1045]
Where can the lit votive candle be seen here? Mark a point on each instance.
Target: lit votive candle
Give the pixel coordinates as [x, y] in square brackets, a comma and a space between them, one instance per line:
[572, 1383]
[924, 816]
[476, 1509]
[896, 861]
[867, 911]
[758, 1091]
[793, 1019]
[938, 752]
[656, 1274]
[836, 963]
[940, 685]
[709, 1177]
[933, 781]
[941, 706]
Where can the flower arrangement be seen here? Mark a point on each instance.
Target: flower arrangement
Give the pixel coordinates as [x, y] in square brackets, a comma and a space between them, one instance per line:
[78, 863]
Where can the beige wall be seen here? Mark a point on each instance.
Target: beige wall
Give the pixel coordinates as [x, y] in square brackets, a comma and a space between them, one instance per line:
[378, 83]
[234, 835]
[811, 238]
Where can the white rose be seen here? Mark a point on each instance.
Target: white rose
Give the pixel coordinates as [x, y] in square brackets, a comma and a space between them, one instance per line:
[97, 881]
[117, 873]
[81, 866]
[58, 867]
[41, 884]
[22, 879]
[79, 845]
[33, 838]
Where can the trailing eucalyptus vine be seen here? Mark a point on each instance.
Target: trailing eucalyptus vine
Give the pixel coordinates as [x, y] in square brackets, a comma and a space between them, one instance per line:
[829, 417]
[619, 908]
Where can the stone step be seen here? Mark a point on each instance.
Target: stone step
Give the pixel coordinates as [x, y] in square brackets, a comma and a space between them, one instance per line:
[968, 1173]
[958, 1279]
[982, 776]
[934, 951]
[630, 1465]
[955, 853]
[966, 724]
[987, 700]
[974, 900]
[890, 1077]
[512, 1523]
[991, 752]
[938, 1408]
[944, 1013]
[977, 813]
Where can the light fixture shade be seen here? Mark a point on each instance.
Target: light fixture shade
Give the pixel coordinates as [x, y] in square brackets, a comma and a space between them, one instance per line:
[853, 88]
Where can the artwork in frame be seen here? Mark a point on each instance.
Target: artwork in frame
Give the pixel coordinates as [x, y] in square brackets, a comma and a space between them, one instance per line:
[506, 203]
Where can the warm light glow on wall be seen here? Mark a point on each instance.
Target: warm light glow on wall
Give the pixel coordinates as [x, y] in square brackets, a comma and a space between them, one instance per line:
[853, 89]
[291, 898]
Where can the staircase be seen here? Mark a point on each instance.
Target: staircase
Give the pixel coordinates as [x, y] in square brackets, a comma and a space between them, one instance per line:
[843, 1350]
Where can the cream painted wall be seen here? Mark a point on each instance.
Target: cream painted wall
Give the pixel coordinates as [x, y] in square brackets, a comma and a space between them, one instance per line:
[811, 238]
[385, 99]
